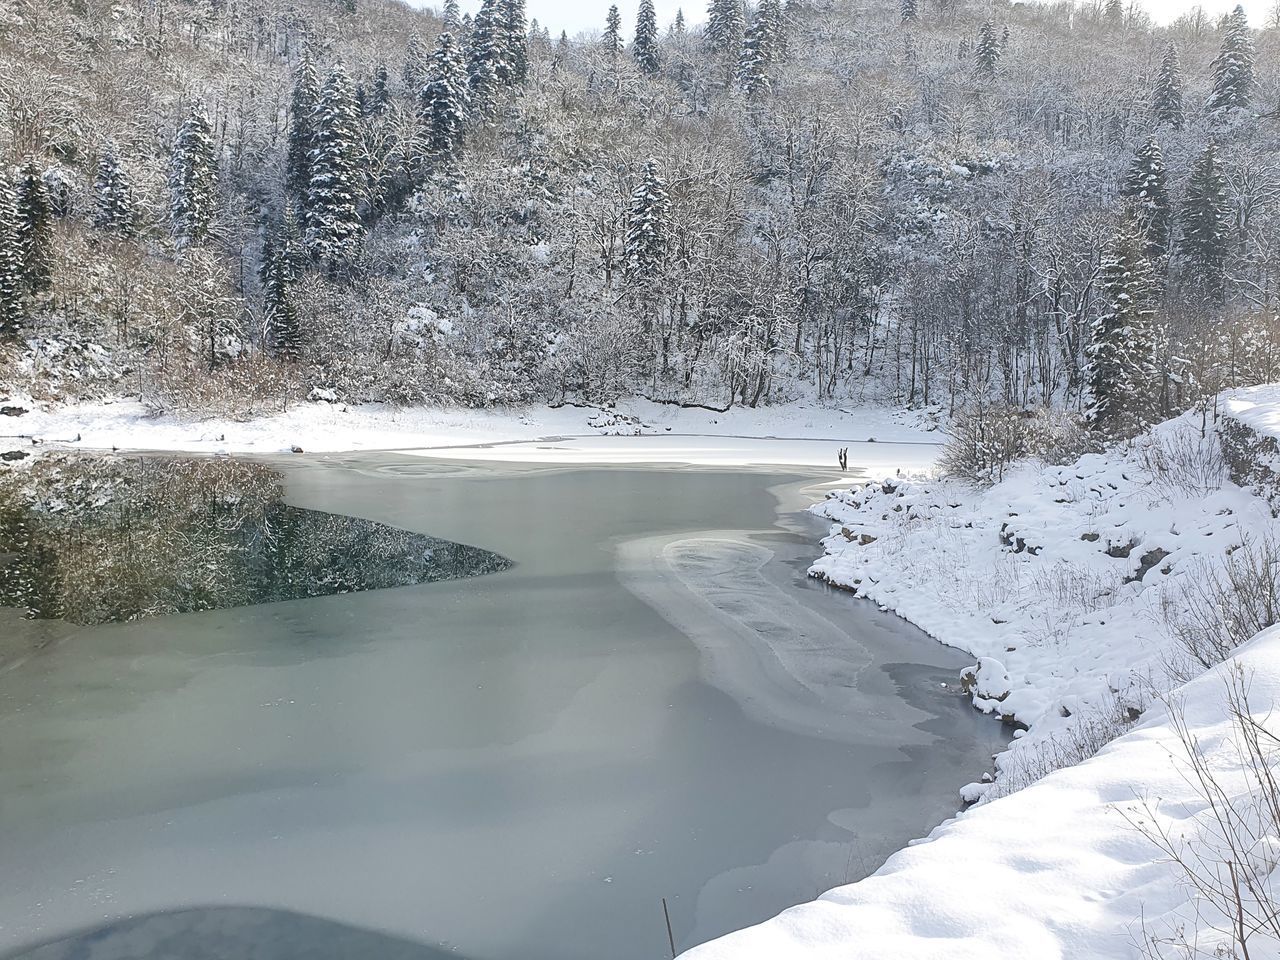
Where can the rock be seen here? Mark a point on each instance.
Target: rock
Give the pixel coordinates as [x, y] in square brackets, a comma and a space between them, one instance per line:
[11, 455]
[1121, 551]
[295, 449]
[973, 792]
[987, 679]
[1090, 537]
[13, 411]
[1148, 560]
[866, 539]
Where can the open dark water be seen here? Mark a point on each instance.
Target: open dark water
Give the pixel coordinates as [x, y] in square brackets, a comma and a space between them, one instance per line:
[381, 706]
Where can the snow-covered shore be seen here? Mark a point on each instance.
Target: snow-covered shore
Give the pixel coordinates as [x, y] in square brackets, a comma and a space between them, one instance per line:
[1068, 583]
[633, 432]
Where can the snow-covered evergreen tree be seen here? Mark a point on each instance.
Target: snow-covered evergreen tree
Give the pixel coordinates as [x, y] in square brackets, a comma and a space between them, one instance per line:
[987, 52]
[753, 72]
[1146, 185]
[113, 208]
[487, 63]
[613, 31]
[332, 220]
[1206, 225]
[282, 257]
[775, 25]
[34, 220]
[412, 74]
[909, 11]
[193, 179]
[1166, 102]
[514, 65]
[677, 25]
[444, 101]
[380, 98]
[645, 46]
[645, 248]
[1120, 369]
[725, 26]
[12, 308]
[1233, 67]
[302, 105]
[451, 16]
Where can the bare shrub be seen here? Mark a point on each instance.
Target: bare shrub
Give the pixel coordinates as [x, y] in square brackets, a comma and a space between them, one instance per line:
[1089, 731]
[987, 439]
[1184, 461]
[1228, 864]
[1225, 604]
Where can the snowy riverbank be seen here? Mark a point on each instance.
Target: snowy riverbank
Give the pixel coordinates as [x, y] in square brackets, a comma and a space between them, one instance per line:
[1072, 584]
[633, 432]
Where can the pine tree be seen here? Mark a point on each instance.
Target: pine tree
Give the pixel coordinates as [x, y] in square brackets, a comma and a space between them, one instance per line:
[1114, 12]
[677, 25]
[645, 46]
[1166, 103]
[193, 178]
[444, 101]
[1233, 67]
[1120, 367]
[753, 72]
[645, 246]
[487, 63]
[380, 100]
[302, 105]
[113, 208]
[1146, 185]
[332, 218]
[613, 31]
[987, 55]
[515, 43]
[281, 267]
[725, 26]
[12, 309]
[1206, 224]
[34, 229]
[413, 73]
[910, 11]
[451, 16]
[775, 26]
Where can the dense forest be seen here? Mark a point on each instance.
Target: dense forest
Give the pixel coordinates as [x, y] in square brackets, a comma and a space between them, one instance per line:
[234, 205]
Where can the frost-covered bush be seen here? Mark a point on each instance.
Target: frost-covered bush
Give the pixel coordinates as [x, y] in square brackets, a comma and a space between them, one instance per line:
[1227, 603]
[987, 439]
[1182, 459]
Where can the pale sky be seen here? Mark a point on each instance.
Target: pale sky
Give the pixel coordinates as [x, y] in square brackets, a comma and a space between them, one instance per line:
[579, 16]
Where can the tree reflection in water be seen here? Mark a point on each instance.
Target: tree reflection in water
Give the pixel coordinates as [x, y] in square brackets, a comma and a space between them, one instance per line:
[101, 539]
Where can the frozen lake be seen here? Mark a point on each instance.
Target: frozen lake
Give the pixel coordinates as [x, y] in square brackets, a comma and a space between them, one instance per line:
[652, 701]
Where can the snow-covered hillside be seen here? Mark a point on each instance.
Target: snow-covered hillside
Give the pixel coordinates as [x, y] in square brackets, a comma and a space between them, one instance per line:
[1081, 591]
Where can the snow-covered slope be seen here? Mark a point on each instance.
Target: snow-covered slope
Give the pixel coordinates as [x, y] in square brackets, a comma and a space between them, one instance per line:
[1068, 583]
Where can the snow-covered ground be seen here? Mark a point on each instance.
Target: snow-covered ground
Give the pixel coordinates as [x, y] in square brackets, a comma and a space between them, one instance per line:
[634, 432]
[1065, 583]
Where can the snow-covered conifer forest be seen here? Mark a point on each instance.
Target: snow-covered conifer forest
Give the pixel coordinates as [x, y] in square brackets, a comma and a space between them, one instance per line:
[230, 205]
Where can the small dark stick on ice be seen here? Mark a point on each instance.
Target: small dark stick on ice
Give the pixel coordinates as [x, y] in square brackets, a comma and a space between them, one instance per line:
[670, 937]
[843, 457]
